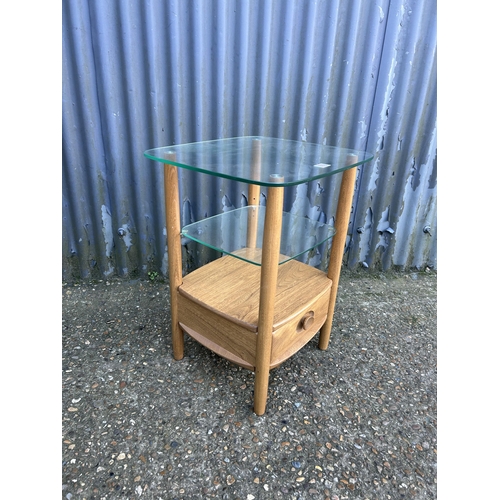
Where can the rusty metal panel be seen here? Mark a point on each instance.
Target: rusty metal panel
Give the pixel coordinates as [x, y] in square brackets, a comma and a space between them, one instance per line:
[352, 73]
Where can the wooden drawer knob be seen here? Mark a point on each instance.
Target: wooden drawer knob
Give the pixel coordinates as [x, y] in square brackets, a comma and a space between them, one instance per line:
[307, 320]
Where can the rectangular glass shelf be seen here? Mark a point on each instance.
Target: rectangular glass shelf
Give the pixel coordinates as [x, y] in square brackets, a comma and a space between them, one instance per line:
[239, 233]
[292, 162]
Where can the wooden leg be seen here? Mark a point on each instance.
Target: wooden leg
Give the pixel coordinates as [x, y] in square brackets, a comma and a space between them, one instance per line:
[341, 225]
[253, 195]
[173, 220]
[268, 280]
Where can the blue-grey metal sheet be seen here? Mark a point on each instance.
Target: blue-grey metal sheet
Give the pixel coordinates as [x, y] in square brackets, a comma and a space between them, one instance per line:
[352, 73]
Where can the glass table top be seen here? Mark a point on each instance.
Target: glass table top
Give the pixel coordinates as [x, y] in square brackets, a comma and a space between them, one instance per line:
[230, 232]
[265, 161]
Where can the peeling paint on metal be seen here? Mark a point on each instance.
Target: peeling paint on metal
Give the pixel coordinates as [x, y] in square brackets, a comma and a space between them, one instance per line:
[226, 204]
[107, 229]
[126, 236]
[363, 129]
[383, 223]
[381, 13]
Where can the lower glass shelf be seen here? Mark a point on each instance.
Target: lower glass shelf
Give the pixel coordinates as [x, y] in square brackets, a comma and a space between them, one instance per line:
[239, 233]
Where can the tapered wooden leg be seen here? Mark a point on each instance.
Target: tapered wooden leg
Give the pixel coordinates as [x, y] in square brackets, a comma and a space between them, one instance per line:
[341, 225]
[173, 221]
[268, 279]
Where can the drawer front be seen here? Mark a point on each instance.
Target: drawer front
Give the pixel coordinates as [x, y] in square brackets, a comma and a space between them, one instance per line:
[299, 330]
[217, 330]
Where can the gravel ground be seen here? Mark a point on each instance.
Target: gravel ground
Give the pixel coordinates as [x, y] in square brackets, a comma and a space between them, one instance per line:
[355, 421]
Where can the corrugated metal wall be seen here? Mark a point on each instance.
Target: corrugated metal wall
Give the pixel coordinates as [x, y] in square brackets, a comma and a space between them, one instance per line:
[141, 74]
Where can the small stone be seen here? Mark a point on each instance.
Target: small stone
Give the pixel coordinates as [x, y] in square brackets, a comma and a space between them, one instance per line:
[72, 409]
[230, 479]
[300, 479]
[122, 384]
[121, 456]
[137, 479]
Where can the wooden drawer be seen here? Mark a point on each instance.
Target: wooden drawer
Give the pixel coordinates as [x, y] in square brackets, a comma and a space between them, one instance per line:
[219, 307]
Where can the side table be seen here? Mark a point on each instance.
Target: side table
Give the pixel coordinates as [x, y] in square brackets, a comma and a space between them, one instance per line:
[256, 306]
